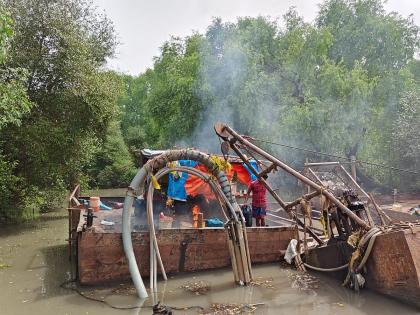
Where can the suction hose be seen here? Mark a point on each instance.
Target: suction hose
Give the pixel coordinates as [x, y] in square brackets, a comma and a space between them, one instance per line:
[137, 186]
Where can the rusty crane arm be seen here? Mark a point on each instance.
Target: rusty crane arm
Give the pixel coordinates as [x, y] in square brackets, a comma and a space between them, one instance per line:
[236, 140]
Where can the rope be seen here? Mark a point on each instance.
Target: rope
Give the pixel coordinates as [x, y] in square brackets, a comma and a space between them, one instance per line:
[368, 251]
[416, 172]
[353, 270]
[326, 269]
[64, 286]
[371, 236]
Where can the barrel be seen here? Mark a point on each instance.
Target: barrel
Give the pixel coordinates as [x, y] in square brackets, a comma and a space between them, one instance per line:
[94, 203]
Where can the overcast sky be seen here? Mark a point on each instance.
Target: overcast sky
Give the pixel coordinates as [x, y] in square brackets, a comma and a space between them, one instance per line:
[143, 25]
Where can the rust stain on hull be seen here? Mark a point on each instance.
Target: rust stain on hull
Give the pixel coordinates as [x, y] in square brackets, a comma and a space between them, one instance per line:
[393, 267]
[101, 257]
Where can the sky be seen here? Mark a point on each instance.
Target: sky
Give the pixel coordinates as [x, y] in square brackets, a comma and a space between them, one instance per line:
[142, 26]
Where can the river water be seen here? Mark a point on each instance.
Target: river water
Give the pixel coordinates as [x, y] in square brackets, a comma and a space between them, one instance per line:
[35, 273]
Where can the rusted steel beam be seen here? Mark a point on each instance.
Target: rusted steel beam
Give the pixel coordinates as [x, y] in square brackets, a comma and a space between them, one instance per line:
[379, 211]
[290, 221]
[267, 170]
[254, 171]
[315, 176]
[73, 196]
[307, 197]
[271, 191]
[321, 163]
[369, 216]
[308, 229]
[224, 131]
[353, 167]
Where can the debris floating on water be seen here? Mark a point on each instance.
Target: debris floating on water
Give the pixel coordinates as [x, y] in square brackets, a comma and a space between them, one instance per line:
[263, 282]
[3, 266]
[125, 290]
[198, 287]
[231, 309]
[159, 309]
[304, 281]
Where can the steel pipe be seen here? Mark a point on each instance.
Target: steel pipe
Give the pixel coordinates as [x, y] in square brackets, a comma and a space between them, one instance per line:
[224, 131]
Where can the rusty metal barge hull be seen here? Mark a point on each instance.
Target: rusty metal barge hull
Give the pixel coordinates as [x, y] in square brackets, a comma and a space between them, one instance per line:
[101, 258]
[393, 267]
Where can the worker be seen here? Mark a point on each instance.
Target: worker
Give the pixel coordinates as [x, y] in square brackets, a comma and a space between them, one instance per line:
[259, 201]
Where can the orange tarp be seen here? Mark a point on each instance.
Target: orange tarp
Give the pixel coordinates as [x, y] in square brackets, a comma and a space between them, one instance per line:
[195, 186]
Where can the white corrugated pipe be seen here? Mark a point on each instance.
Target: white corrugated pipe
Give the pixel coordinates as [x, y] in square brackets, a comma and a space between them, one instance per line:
[136, 186]
[126, 235]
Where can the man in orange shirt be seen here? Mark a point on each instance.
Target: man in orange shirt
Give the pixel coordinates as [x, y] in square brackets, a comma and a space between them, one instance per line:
[259, 201]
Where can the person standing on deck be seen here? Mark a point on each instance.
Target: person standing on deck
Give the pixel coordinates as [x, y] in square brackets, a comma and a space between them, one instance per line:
[259, 201]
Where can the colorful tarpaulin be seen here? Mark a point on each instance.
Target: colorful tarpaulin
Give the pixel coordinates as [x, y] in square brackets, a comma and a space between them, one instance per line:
[177, 180]
[182, 185]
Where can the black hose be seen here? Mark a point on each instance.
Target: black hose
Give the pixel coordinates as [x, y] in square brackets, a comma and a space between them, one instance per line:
[90, 298]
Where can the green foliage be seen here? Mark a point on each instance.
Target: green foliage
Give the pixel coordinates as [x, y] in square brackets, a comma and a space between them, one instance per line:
[406, 132]
[161, 106]
[13, 99]
[134, 115]
[347, 84]
[333, 85]
[6, 32]
[112, 166]
[55, 57]
[363, 31]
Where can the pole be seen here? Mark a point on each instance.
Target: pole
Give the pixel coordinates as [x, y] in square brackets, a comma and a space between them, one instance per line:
[273, 193]
[353, 167]
[224, 131]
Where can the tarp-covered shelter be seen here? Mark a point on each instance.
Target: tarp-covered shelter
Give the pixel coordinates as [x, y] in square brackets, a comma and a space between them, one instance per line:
[182, 185]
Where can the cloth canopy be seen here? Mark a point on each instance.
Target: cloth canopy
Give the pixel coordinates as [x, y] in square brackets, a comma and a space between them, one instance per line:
[183, 185]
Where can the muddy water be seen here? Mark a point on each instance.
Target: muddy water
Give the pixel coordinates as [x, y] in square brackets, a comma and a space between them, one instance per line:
[34, 265]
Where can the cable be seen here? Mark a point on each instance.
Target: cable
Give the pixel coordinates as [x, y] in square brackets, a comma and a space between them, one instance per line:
[326, 269]
[75, 289]
[64, 286]
[417, 172]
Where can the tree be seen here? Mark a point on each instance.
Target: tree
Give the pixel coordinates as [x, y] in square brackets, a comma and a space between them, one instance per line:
[63, 45]
[134, 114]
[333, 86]
[363, 31]
[112, 165]
[13, 99]
[407, 136]
[14, 104]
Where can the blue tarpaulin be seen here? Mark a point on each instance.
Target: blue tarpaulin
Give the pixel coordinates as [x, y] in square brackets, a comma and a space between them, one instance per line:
[176, 182]
[255, 166]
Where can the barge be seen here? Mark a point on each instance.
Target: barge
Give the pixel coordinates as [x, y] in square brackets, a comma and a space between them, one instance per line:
[101, 259]
[348, 240]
